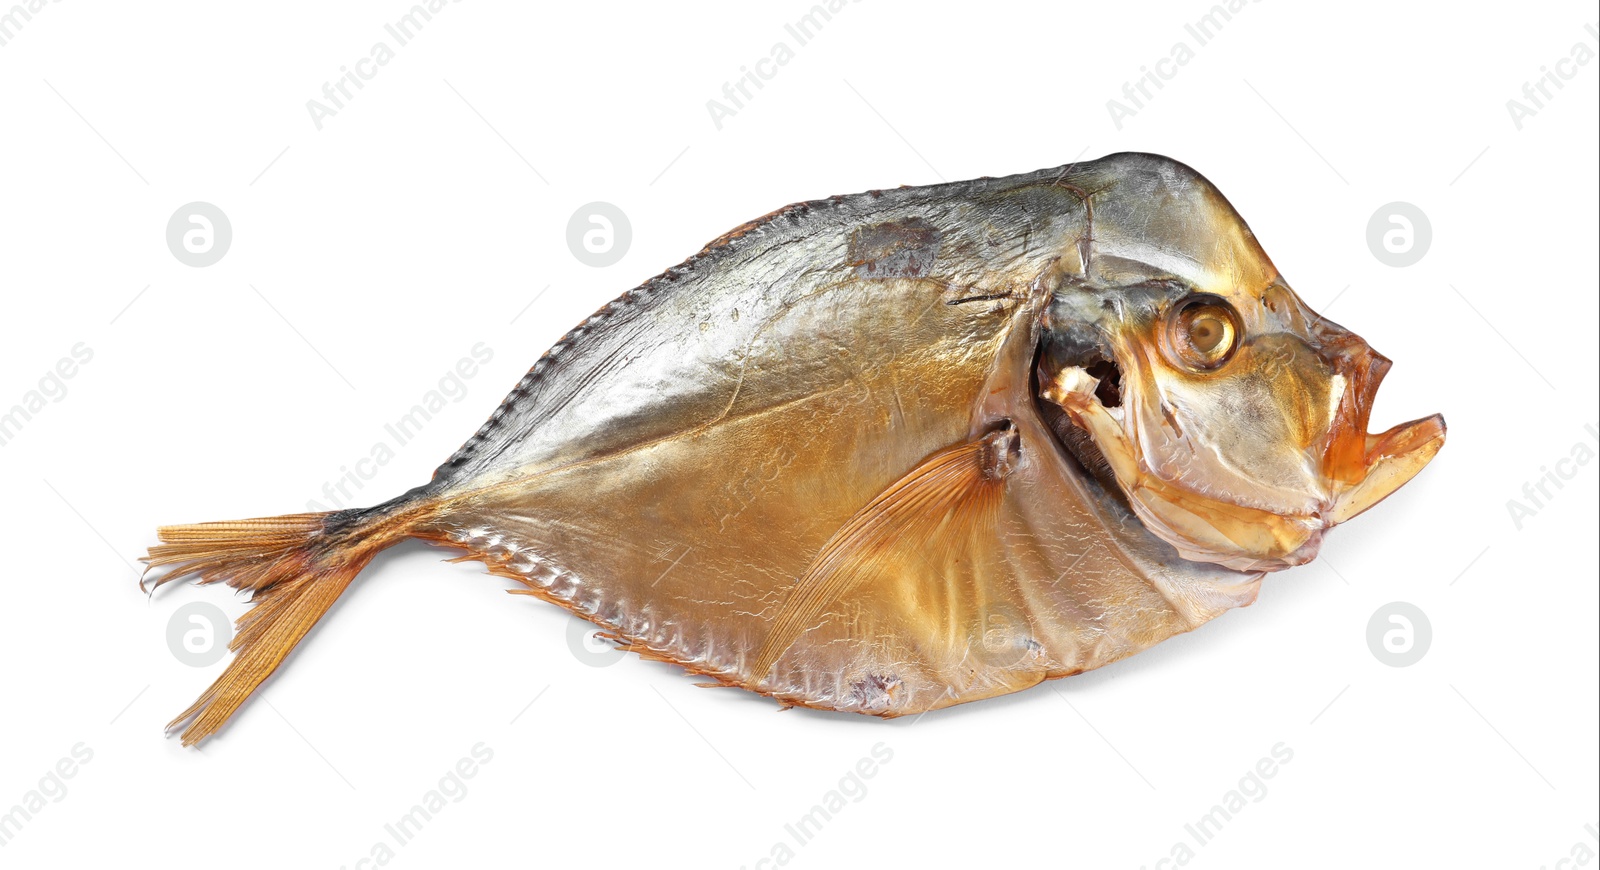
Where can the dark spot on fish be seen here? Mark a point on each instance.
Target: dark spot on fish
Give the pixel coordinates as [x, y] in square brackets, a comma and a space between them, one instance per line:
[898, 249]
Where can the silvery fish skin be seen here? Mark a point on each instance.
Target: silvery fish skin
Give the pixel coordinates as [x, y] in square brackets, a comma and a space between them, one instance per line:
[889, 452]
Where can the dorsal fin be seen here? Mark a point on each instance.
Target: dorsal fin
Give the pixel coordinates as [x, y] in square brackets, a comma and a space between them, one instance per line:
[936, 506]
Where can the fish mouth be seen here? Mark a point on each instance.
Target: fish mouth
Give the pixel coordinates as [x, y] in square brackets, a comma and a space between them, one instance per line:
[1390, 460]
[1362, 469]
[1387, 461]
[1359, 469]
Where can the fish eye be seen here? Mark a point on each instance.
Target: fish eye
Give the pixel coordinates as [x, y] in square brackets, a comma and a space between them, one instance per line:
[1202, 332]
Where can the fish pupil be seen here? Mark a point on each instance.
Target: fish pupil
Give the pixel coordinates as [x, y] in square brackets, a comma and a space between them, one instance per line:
[1206, 333]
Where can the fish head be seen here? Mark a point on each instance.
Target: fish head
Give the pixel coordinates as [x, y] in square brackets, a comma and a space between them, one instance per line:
[1231, 417]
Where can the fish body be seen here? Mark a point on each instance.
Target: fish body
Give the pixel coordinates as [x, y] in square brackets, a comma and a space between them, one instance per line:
[893, 451]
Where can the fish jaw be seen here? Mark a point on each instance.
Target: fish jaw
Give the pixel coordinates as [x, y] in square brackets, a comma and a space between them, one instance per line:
[1362, 469]
[1391, 460]
[1201, 529]
[1236, 536]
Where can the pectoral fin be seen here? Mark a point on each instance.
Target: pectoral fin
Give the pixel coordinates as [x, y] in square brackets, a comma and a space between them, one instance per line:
[935, 507]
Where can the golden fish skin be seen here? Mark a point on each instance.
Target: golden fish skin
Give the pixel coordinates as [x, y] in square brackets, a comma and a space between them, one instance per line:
[889, 452]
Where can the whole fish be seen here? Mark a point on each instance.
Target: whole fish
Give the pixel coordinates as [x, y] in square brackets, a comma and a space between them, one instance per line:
[889, 452]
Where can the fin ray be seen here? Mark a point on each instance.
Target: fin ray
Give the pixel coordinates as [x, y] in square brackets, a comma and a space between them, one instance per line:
[294, 566]
[937, 504]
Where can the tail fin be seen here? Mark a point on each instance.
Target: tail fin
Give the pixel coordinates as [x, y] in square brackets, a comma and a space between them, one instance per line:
[295, 567]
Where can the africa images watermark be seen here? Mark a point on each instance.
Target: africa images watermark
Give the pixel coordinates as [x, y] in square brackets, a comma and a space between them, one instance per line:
[1537, 93]
[52, 788]
[1580, 855]
[451, 788]
[1202, 30]
[52, 388]
[14, 19]
[802, 30]
[452, 387]
[403, 30]
[1252, 788]
[1538, 493]
[851, 788]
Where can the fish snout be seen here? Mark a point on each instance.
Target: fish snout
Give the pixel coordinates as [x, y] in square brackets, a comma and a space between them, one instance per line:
[1392, 459]
[1362, 469]
[1359, 370]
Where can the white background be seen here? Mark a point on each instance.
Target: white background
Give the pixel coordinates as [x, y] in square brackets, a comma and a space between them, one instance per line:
[384, 246]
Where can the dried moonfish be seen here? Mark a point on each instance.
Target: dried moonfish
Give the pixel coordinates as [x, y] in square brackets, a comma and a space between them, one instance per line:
[908, 448]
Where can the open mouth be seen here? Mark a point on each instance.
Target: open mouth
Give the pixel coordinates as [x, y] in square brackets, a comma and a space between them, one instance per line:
[1363, 469]
[1390, 460]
